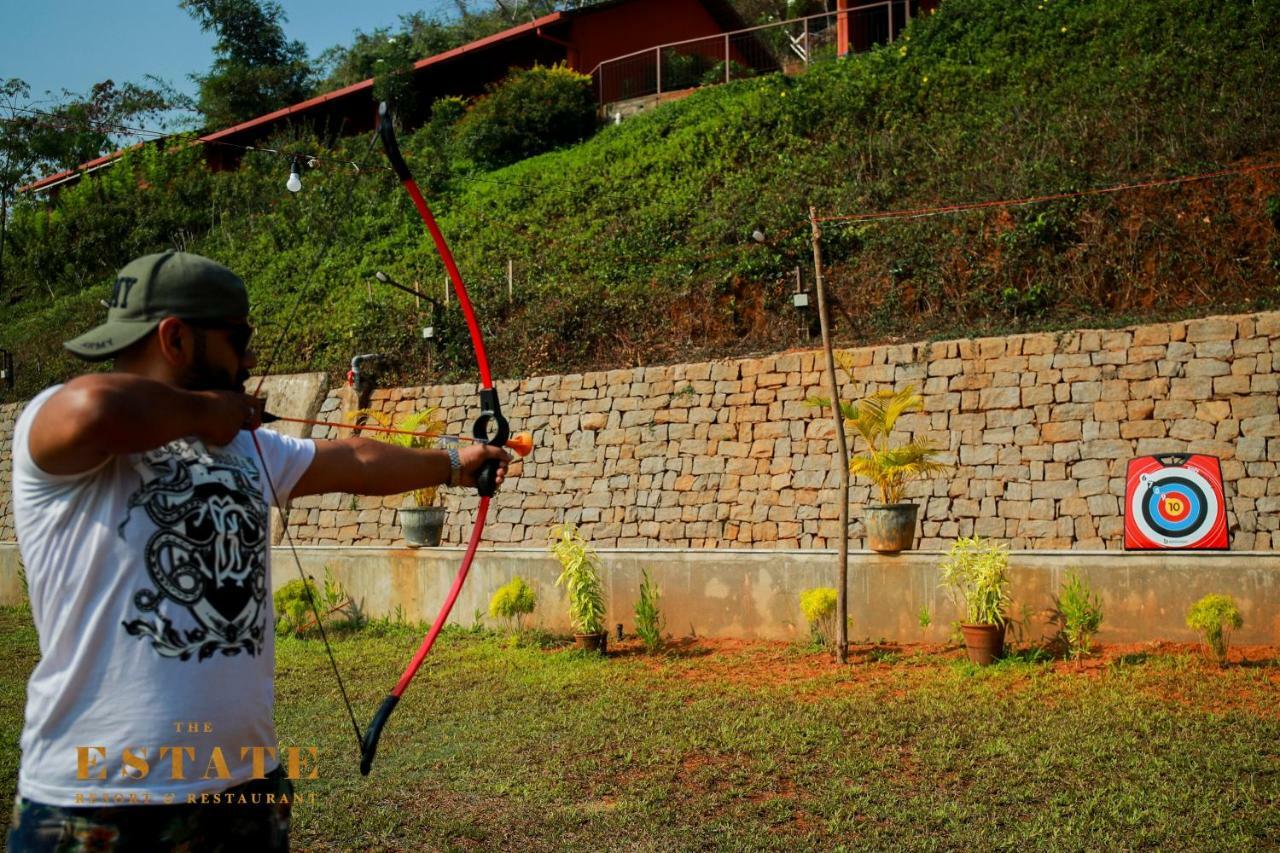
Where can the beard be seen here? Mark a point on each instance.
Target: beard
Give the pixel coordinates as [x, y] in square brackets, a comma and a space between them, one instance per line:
[208, 377]
[203, 376]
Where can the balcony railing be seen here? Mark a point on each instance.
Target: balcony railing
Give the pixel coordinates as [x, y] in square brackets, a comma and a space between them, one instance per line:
[768, 48]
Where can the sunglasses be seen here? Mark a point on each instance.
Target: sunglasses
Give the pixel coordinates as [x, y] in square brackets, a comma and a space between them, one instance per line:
[238, 333]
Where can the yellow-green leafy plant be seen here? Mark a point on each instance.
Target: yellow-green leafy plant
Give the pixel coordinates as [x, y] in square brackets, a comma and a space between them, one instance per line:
[1215, 617]
[426, 422]
[298, 602]
[580, 569]
[649, 621]
[889, 467]
[978, 570]
[513, 601]
[1081, 610]
[819, 608]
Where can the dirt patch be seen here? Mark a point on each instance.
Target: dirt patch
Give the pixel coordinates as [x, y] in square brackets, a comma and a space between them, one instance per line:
[815, 674]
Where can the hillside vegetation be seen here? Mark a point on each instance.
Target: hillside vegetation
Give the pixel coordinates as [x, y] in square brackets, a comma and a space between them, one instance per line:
[634, 246]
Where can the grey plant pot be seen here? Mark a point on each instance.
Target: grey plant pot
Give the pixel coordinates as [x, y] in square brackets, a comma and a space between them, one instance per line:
[421, 525]
[890, 527]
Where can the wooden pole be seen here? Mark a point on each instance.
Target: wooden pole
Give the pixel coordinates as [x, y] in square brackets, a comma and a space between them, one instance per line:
[511, 277]
[842, 461]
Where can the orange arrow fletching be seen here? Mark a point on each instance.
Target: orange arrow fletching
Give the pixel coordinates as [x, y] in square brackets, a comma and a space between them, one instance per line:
[521, 444]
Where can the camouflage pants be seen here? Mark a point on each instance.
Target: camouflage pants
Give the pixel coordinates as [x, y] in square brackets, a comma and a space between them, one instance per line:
[224, 826]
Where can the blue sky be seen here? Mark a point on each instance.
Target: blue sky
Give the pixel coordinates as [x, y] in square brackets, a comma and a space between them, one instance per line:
[72, 44]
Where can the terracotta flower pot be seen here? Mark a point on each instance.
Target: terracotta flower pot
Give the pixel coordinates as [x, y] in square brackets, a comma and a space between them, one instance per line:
[985, 643]
[592, 642]
[890, 527]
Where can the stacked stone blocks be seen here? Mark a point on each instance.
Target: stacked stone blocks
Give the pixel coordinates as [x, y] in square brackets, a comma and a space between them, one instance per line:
[725, 454]
[729, 454]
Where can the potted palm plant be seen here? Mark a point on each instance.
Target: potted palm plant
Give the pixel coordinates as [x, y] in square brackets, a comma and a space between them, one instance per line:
[890, 524]
[421, 519]
[978, 571]
[580, 576]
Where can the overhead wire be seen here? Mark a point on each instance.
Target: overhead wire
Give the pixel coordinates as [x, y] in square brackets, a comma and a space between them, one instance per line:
[943, 210]
[58, 121]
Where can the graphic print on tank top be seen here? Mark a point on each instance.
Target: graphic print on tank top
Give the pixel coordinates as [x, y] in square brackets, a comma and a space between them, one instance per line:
[207, 556]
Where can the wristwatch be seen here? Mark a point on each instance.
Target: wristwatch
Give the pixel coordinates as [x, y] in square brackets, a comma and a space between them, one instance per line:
[455, 465]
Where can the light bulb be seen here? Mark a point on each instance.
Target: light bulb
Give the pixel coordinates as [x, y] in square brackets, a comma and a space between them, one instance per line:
[294, 183]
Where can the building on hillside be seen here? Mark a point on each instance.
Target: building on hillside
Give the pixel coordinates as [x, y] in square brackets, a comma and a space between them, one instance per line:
[635, 81]
[580, 38]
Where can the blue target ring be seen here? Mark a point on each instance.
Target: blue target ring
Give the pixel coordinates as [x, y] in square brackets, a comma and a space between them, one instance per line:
[1154, 508]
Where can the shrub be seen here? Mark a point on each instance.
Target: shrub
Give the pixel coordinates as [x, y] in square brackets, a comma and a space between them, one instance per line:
[298, 602]
[580, 576]
[426, 425]
[528, 113]
[819, 608]
[889, 467]
[1215, 617]
[979, 572]
[649, 621]
[513, 601]
[1081, 610]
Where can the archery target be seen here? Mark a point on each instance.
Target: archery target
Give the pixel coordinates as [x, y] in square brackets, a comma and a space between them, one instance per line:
[1175, 502]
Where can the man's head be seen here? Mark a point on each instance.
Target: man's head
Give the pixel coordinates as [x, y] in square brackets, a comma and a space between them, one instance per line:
[176, 316]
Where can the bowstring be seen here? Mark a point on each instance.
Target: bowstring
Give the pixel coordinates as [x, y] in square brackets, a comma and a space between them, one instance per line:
[275, 496]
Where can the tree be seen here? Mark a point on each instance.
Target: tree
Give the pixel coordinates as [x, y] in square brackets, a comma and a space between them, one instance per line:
[256, 69]
[62, 136]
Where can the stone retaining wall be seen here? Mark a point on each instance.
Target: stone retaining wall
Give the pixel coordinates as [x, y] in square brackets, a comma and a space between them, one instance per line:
[8, 415]
[728, 454]
[719, 454]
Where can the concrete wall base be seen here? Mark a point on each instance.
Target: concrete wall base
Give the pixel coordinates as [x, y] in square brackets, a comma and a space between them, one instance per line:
[753, 594]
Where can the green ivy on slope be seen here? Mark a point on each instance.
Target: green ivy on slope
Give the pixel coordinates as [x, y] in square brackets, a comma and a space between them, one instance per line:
[634, 247]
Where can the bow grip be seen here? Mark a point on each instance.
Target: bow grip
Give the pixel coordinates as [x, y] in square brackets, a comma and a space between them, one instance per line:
[490, 410]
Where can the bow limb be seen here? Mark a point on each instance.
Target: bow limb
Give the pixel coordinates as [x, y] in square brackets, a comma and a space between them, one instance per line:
[490, 414]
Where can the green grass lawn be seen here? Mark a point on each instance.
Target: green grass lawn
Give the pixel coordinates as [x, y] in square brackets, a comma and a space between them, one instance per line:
[765, 746]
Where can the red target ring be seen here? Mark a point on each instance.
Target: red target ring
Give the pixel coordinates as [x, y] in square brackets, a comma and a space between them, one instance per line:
[1174, 506]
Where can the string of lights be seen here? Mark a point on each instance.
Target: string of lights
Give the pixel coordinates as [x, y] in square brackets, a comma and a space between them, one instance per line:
[312, 160]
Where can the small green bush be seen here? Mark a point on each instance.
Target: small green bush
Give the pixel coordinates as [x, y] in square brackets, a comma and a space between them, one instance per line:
[1215, 617]
[819, 608]
[298, 602]
[580, 569]
[1081, 610]
[978, 570]
[649, 620]
[513, 601]
[528, 113]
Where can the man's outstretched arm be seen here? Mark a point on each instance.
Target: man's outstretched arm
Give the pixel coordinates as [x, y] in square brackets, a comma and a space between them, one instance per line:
[362, 466]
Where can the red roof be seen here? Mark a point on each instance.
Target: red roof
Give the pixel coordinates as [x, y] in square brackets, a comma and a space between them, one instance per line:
[719, 10]
[83, 169]
[470, 47]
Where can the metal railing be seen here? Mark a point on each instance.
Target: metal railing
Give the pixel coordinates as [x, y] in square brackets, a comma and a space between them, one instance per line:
[764, 49]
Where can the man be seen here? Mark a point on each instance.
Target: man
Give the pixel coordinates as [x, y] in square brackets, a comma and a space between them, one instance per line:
[141, 508]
